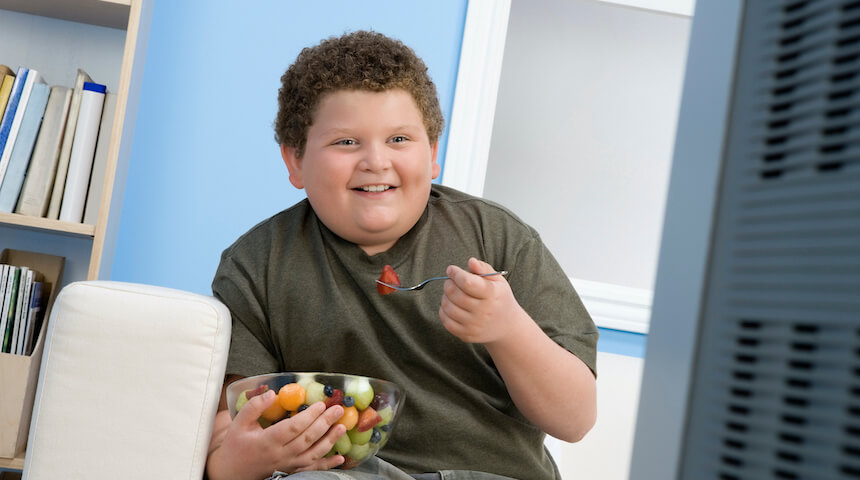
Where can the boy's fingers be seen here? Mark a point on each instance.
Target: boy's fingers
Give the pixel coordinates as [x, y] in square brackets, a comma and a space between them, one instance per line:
[478, 267]
[294, 427]
[254, 407]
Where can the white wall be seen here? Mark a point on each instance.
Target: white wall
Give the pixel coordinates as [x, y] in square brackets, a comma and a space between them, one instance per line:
[584, 129]
[604, 454]
[581, 149]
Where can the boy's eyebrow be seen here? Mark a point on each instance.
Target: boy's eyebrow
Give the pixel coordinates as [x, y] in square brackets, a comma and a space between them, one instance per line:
[351, 131]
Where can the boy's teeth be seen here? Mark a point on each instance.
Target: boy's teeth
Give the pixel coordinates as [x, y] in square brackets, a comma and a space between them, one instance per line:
[375, 188]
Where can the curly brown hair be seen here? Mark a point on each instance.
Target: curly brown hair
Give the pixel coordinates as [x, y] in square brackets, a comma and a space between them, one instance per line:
[361, 60]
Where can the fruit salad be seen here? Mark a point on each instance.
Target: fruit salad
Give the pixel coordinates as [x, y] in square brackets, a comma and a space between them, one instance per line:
[369, 406]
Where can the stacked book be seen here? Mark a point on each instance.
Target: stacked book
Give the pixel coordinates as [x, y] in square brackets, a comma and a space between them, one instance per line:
[54, 144]
[23, 298]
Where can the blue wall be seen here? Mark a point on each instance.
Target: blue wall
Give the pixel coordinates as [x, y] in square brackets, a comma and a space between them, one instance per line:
[204, 166]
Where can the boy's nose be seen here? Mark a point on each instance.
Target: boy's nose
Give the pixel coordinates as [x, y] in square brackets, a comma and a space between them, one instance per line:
[375, 158]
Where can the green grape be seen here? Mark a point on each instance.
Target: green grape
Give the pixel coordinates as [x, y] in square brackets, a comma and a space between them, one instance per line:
[343, 444]
[314, 393]
[361, 391]
[359, 451]
[359, 437]
[386, 413]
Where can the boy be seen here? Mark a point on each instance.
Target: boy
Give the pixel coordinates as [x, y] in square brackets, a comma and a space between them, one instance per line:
[488, 363]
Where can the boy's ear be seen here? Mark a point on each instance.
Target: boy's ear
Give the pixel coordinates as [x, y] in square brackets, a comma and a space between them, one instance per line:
[434, 151]
[294, 165]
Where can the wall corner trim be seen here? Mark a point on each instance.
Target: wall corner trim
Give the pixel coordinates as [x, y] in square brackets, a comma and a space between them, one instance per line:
[615, 306]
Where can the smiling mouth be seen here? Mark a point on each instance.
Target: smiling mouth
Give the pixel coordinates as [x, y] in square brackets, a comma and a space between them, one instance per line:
[374, 188]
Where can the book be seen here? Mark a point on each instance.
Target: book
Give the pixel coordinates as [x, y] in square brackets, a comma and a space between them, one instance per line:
[7, 77]
[36, 191]
[19, 160]
[4, 274]
[5, 90]
[33, 78]
[8, 276]
[83, 152]
[11, 108]
[9, 308]
[20, 346]
[21, 305]
[66, 147]
[35, 315]
[97, 177]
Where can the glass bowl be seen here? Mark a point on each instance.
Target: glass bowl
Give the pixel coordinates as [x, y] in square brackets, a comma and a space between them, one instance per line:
[370, 406]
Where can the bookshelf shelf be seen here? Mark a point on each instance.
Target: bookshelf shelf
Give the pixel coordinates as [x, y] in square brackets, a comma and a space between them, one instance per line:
[47, 225]
[16, 463]
[106, 13]
[106, 39]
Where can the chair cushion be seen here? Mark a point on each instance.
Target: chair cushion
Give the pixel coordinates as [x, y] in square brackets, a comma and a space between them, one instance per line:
[129, 383]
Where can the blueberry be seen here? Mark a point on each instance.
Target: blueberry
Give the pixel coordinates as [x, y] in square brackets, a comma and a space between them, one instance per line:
[385, 428]
[348, 401]
[376, 436]
[328, 390]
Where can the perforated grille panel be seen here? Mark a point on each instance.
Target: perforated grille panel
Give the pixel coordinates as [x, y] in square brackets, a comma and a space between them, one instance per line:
[776, 392]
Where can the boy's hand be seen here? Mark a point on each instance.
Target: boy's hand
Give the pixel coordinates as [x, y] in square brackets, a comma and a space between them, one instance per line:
[478, 309]
[291, 445]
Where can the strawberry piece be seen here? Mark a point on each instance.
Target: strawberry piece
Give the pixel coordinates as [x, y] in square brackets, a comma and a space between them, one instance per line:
[335, 399]
[249, 394]
[390, 277]
[367, 419]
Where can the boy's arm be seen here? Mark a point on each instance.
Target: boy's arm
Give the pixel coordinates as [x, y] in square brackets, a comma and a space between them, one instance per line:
[553, 388]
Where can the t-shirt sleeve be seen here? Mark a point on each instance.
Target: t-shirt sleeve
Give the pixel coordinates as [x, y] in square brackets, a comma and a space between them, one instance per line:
[251, 347]
[544, 290]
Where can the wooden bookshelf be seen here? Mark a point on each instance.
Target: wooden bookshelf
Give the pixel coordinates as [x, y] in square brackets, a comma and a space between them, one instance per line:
[116, 30]
[107, 39]
[16, 463]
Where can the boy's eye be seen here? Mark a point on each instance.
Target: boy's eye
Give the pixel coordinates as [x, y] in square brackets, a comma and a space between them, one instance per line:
[345, 141]
[398, 139]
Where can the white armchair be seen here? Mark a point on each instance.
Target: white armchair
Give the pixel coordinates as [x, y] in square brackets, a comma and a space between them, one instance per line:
[129, 383]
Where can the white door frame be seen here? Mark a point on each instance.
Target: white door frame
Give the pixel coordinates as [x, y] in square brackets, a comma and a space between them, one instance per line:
[474, 107]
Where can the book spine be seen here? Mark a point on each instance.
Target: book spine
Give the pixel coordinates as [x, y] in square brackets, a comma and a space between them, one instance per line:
[33, 77]
[66, 147]
[9, 114]
[97, 178]
[5, 301]
[5, 91]
[37, 309]
[10, 312]
[10, 187]
[36, 192]
[23, 301]
[83, 150]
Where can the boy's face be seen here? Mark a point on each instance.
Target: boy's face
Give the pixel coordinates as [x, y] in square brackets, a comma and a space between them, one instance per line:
[367, 166]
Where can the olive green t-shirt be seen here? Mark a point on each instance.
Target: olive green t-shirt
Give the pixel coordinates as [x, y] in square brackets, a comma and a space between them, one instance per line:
[303, 299]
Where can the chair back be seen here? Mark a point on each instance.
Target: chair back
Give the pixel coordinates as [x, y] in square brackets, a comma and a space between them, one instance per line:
[129, 384]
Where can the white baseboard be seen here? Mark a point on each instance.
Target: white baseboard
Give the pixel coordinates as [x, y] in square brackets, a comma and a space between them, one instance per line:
[615, 306]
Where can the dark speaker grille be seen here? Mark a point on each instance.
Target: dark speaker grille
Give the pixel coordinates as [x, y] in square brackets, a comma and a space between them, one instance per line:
[776, 392]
